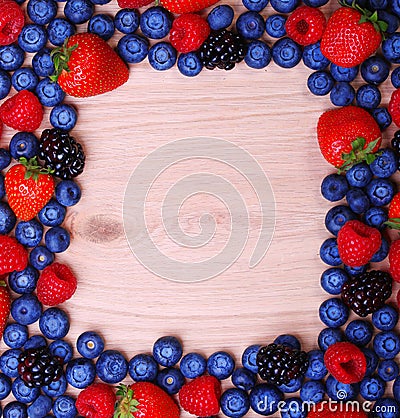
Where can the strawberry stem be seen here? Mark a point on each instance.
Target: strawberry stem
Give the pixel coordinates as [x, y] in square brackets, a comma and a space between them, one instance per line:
[61, 56]
[126, 405]
[393, 223]
[359, 154]
[33, 169]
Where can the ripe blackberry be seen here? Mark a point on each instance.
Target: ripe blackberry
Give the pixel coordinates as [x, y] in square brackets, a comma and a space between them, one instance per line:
[222, 49]
[396, 145]
[367, 293]
[61, 153]
[38, 367]
[279, 364]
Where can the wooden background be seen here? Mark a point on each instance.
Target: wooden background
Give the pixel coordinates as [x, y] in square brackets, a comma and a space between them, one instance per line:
[270, 114]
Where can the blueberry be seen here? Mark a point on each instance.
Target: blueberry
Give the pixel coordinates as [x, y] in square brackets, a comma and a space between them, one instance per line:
[143, 368]
[127, 20]
[167, 351]
[11, 57]
[78, 11]
[5, 386]
[49, 93]
[333, 279]
[342, 94]
[368, 96]
[264, 399]
[15, 409]
[189, 64]
[63, 116]
[372, 360]
[90, 344]
[235, 403]
[258, 54]
[53, 214]
[372, 388]
[221, 365]
[40, 257]
[333, 312]
[255, 5]
[359, 175]
[315, 3]
[338, 391]
[313, 58]
[162, 56]
[40, 407]
[170, 380]
[359, 332]
[357, 200]
[385, 318]
[320, 83]
[5, 158]
[36, 341]
[24, 79]
[244, 379]
[396, 7]
[382, 253]
[293, 386]
[386, 408]
[155, 22]
[387, 344]
[32, 38]
[9, 362]
[391, 48]
[250, 25]
[61, 349]
[102, 25]
[26, 309]
[284, 6]
[24, 144]
[378, 4]
[337, 216]
[388, 370]
[57, 239]
[380, 192]
[80, 372]
[54, 323]
[41, 12]
[375, 70]
[59, 30]
[68, 193]
[395, 77]
[111, 366]
[15, 335]
[382, 117]
[7, 218]
[42, 63]
[133, 48]
[286, 53]
[391, 19]
[56, 388]
[64, 407]
[288, 340]
[316, 366]
[23, 393]
[334, 187]
[221, 17]
[385, 164]
[193, 365]
[275, 26]
[249, 357]
[343, 74]
[293, 408]
[355, 271]
[329, 253]
[312, 391]
[29, 233]
[2, 187]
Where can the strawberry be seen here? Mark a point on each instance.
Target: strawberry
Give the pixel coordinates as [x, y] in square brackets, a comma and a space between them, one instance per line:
[348, 135]
[96, 401]
[188, 32]
[28, 187]
[22, 111]
[394, 107]
[5, 306]
[133, 4]
[394, 260]
[186, 6]
[87, 66]
[12, 20]
[13, 255]
[56, 284]
[201, 396]
[352, 34]
[144, 400]
[394, 212]
[357, 243]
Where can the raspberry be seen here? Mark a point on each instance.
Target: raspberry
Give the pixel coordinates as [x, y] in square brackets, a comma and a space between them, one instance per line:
[13, 255]
[96, 401]
[306, 25]
[394, 260]
[345, 362]
[188, 32]
[394, 107]
[11, 21]
[357, 243]
[133, 4]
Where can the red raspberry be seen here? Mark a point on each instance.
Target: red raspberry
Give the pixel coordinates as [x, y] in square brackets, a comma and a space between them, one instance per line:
[22, 111]
[345, 362]
[96, 401]
[357, 243]
[56, 284]
[188, 32]
[11, 21]
[133, 4]
[394, 260]
[13, 255]
[394, 107]
[306, 25]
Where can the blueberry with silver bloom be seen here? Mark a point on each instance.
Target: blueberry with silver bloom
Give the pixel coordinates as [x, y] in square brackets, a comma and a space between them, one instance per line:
[221, 17]
[111, 366]
[275, 26]
[127, 20]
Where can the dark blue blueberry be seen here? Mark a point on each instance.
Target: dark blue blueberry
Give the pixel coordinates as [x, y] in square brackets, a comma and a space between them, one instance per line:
[15, 335]
[167, 351]
[155, 22]
[288, 340]
[388, 370]
[275, 26]
[32, 37]
[250, 25]
[63, 116]
[24, 144]
[343, 74]
[5, 84]
[320, 83]
[382, 117]
[193, 365]
[111, 366]
[244, 379]
[329, 253]
[24, 79]
[378, 4]
[385, 318]
[337, 216]
[42, 12]
[54, 323]
[23, 393]
[26, 309]
[78, 11]
[359, 175]
[361, 3]
[387, 344]
[133, 48]
[90, 344]
[100, 2]
[380, 192]
[265, 398]
[52, 214]
[5, 386]
[391, 19]
[386, 408]
[334, 187]
[313, 57]
[11, 57]
[372, 360]
[255, 5]
[143, 368]
[284, 6]
[36, 341]
[249, 357]
[396, 7]
[42, 63]
[15, 409]
[359, 332]
[316, 366]
[80, 372]
[382, 253]
[375, 70]
[312, 391]
[171, 380]
[49, 93]
[235, 403]
[333, 312]
[293, 408]
[56, 388]
[342, 94]
[293, 386]
[29, 233]
[64, 407]
[9, 362]
[368, 96]
[357, 200]
[221, 365]
[102, 25]
[286, 53]
[59, 30]
[162, 56]
[221, 17]
[395, 78]
[372, 388]
[355, 271]
[5, 158]
[40, 257]
[68, 193]
[7, 219]
[258, 54]
[385, 164]
[57, 239]
[189, 64]
[315, 3]
[338, 391]
[127, 20]
[40, 407]
[2, 187]
[396, 389]
[61, 349]
[391, 48]
[333, 279]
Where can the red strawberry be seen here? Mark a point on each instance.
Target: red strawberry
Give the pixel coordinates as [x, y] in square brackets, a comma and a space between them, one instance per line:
[11, 21]
[13, 255]
[345, 362]
[22, 111]
[186, 6]
[394, 107]
[394, 260]
[348, 135]
[96, 401]
[188, 32]
[133, 4]
[394, 212]
[351, 36]
[56, 284]
[305, 25]
[5, 305]
[28, 187]
[87, 66]
[357, 243]
[144, 400]
[335, 410]
[201, 396]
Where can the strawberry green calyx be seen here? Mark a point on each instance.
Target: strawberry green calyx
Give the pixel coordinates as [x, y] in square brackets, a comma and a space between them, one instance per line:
[126, 404]
[33, 169]
[60, 58]
[359, 154]
[3, 283]
[393, 223]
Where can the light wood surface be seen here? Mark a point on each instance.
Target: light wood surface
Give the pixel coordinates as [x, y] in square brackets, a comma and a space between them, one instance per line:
[271, 115]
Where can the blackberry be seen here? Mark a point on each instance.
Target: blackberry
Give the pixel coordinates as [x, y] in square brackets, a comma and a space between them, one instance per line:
[38, 367]
[222, 49]
[367, 293]
[396, 145]
[61, 153]
[279, 364]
